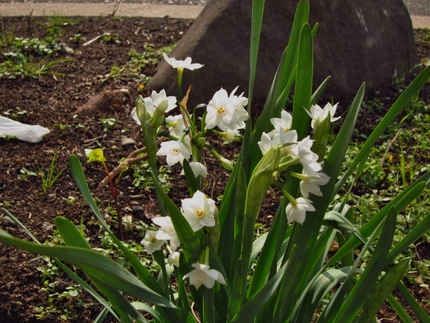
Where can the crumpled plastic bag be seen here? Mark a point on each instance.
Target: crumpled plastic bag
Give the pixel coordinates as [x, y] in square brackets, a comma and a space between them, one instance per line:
[21, 131]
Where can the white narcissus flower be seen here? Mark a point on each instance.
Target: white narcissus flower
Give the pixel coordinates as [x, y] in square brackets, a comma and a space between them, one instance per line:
[182, 64]
[173, 258]
[286, 139]
[167, 231]
[198, 169]
[311, 182]
[230, 135]
[281, 124]
[319, 114]
[157, 101]
[199, 211]
[226, 111]
[175, 152]
[160, 101]
[297, 211]
[202, 274]
[308, 158]
[151, 243]
[176, 125]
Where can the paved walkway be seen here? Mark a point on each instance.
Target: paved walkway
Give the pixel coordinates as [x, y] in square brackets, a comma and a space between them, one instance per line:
[420, 9]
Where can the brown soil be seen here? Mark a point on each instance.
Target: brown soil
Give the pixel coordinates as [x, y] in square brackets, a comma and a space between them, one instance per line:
[53, 102]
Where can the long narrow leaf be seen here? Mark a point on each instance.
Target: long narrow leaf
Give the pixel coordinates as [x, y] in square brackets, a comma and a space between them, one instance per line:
[397, 107]
[418, 310]
[69, 272]
[144, 274]
[361, 291]
[253, 306]
[316, 291]
[383, 289]
[93, 263]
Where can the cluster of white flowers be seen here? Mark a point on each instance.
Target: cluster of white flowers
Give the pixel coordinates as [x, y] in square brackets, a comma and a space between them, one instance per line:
[294, 152]
[200, 212]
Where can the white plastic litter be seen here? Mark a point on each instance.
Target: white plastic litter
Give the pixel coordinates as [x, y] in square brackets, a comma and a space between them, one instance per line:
[21, 131]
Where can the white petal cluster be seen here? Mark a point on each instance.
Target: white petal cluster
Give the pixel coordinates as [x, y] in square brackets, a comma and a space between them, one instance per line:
[319, 114]
[176, 125]
[182, 64]
[311, 182]
[203, 274]
[175, 152]
[199, 211]
[157, 101]
[167, 231]
[227, 112]
[151, 243]
[297, 211]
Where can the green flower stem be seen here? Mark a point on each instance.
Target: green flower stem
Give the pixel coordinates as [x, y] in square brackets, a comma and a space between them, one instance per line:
[115, 200]
[291, 199]
[179, 92]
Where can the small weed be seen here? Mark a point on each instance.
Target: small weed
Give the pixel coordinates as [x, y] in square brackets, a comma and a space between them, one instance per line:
[60, 126]
[77, 38]
[24, 174]
[6, 204]
[110, 38]
[108, 123]
[15, 114]
[50, 177]
[6, 39]
[54, 24]
[70, 200]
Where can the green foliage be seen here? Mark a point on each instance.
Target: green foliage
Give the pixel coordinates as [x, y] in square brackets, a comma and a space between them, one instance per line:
[142, 177]
[25, 57]
[287, 274]
[138, 62]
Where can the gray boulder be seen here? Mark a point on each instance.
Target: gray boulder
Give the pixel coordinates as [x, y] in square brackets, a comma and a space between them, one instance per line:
[357, 40]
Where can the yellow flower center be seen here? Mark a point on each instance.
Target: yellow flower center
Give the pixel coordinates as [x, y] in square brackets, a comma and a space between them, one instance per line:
[175, 151]
[222, 110]
[200, 213]
[154, 240]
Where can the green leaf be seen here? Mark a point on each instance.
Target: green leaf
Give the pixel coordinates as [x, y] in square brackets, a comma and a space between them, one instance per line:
[399, 203]
[356, 298]
[93, 263]
[69, 272]
[383, 289]
[144, 275]
[400, 310]
[304, 82]
[254, 305]
[387, 120]
[70, 234]
[318, 288]
[418, 310]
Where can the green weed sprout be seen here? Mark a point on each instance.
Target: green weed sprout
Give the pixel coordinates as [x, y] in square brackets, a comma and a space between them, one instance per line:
[213, 268]
[50, 177]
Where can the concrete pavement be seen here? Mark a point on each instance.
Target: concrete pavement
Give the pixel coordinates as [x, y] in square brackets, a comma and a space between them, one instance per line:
[125, 10]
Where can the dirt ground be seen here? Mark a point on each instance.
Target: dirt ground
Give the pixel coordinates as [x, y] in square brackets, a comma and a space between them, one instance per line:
[72, 107]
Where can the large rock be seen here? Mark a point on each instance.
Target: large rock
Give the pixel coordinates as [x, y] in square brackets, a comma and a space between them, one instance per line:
[357, 40]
